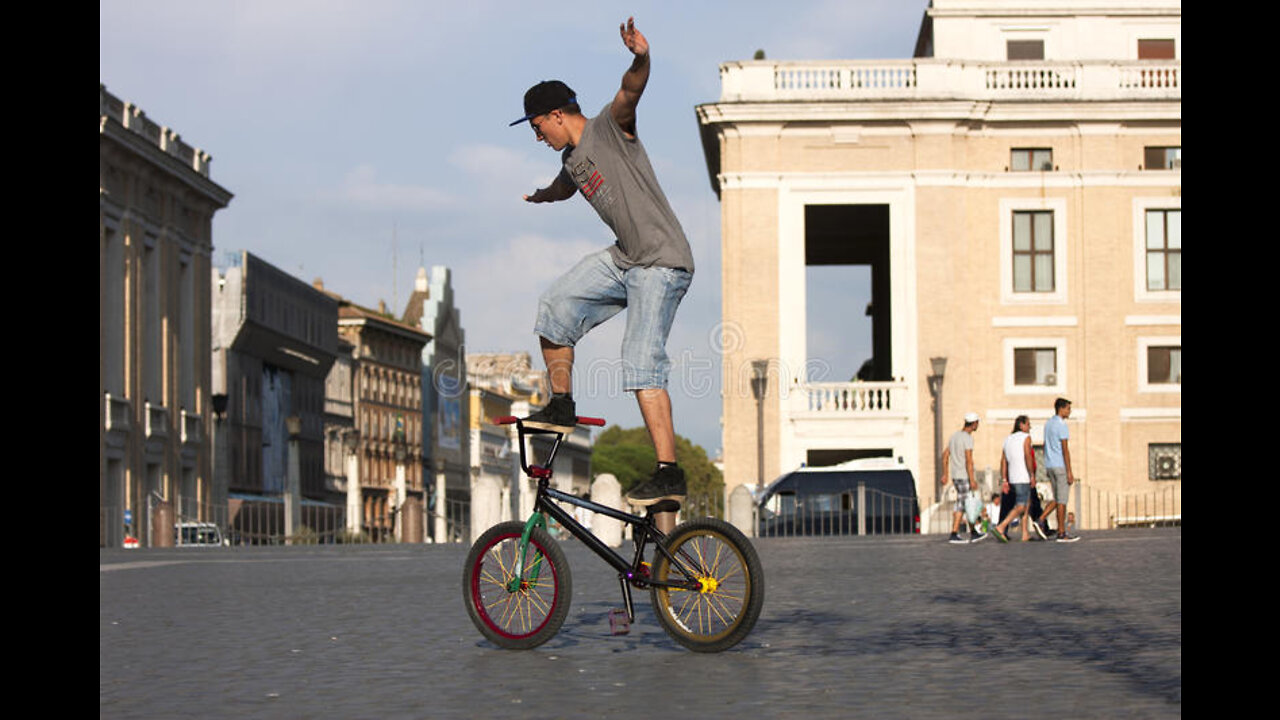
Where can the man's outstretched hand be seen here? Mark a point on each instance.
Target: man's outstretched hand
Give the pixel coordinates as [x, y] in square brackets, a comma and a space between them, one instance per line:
[633, 38]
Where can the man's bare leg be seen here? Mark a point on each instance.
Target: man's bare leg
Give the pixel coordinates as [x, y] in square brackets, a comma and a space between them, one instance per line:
[655, 408]
[559, 360]
[1014, 514]
[559, 414]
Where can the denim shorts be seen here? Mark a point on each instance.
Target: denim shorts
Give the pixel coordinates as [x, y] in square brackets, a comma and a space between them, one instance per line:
[595, 290]
[1021, 493]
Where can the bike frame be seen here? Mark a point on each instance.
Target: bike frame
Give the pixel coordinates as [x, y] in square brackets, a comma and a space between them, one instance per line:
[643, 528]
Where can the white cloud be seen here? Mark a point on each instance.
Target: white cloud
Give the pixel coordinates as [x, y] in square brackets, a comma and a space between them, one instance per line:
[362, 189]
[502, 167]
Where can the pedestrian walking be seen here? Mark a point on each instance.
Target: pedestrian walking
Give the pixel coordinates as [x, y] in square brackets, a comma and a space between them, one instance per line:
[1016, 461]
[1057, 461]
[957, 462]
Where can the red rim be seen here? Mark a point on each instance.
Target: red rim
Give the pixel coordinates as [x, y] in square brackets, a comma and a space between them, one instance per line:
[478, 597]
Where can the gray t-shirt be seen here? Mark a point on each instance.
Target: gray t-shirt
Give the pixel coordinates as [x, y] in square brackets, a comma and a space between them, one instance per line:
[613, 173]
[959, 442]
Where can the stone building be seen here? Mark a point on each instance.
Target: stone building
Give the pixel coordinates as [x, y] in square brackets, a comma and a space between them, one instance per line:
[446, 411]
[156, 205]
[386, 409]
[507, 384]
[1015, 189]
[274, 340]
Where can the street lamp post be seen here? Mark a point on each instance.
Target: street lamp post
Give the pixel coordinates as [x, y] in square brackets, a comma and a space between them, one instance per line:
[939, 365]
[293, 481]
[221, 465]
[759, 388]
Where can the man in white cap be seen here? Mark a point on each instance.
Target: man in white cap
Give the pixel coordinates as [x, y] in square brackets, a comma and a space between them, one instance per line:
[957, 462]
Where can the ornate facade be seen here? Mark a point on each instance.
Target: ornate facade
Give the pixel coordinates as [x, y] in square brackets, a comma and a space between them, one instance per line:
[156, 206]
[387, 413]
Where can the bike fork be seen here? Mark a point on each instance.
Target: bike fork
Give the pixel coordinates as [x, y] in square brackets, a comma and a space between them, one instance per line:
[537, 520]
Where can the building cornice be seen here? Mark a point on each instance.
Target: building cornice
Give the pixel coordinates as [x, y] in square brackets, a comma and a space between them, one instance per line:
[970, 112]
[1169, 180]
[110, 129]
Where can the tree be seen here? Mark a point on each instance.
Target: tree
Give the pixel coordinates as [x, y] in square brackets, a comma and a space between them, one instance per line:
[628, 455]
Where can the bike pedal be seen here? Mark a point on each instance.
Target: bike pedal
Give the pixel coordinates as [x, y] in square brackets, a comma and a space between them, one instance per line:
[619, 623]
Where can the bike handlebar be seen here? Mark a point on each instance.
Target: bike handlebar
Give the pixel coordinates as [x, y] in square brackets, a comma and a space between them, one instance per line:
[512, 419]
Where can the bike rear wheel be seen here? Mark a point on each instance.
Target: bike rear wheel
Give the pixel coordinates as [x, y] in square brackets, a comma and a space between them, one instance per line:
[731, 580]
[533, 612]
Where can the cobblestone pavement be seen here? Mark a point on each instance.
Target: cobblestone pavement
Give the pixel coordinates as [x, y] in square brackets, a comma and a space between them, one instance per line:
[873, 627]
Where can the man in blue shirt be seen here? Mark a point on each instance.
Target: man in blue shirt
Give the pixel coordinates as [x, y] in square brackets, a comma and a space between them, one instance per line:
[1057, 461]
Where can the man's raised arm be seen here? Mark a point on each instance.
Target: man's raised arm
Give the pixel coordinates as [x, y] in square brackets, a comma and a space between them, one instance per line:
[559, 189]
[633, 80]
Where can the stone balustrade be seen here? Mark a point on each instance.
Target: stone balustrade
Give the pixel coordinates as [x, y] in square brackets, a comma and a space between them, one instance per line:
[849, 399]
[934, 79]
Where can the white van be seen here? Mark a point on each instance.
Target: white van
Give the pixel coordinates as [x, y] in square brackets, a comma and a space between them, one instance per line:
[197, 534]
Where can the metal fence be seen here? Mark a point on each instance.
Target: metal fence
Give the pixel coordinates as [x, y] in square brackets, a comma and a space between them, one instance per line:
[1089, 508]
[866, 511]
[1097, 509]
[457, 522]
[261, 521]
[704, 504]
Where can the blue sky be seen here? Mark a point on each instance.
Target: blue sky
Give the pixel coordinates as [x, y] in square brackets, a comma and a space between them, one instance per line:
[352, 132]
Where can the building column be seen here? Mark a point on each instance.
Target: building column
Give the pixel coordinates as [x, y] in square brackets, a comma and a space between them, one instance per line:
[441, 508]
[397, 506]
[355, 508]
[293, 482]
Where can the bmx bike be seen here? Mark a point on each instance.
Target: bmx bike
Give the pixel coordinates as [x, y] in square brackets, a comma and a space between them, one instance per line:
[705, 582]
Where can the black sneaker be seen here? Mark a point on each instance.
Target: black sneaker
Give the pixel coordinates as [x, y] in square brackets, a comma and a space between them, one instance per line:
[1066, 537]
[1039, 528]
[666, 483]
[559, 415]
[957, 540]
[976, 535]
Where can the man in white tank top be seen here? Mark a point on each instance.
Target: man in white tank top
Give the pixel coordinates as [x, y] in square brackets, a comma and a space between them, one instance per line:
[1016, 463]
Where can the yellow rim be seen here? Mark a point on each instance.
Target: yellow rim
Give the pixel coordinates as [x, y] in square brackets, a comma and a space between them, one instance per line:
[718, 605]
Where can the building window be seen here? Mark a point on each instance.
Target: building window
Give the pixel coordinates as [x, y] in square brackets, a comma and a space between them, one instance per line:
[1162, 158]
[1031, 159]
[1035, 366]
[1157, 49]
[1164, 461]
[1033, 251]
[1024, 49]
[1164, 364]
[1164, 249]
[1159, 364]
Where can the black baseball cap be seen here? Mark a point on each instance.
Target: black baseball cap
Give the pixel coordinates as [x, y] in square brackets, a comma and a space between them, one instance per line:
[544, 97]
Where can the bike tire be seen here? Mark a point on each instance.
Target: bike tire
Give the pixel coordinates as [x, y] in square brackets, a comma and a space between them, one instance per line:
[726, 609]
[533, 614]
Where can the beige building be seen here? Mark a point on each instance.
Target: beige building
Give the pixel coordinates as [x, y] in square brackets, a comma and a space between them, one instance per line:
[386, 409]
[156, 206]
[507, 384]
[1015, 189]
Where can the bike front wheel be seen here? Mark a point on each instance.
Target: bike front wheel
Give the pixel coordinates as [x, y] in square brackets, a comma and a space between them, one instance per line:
[730, 579]
[516, 607]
